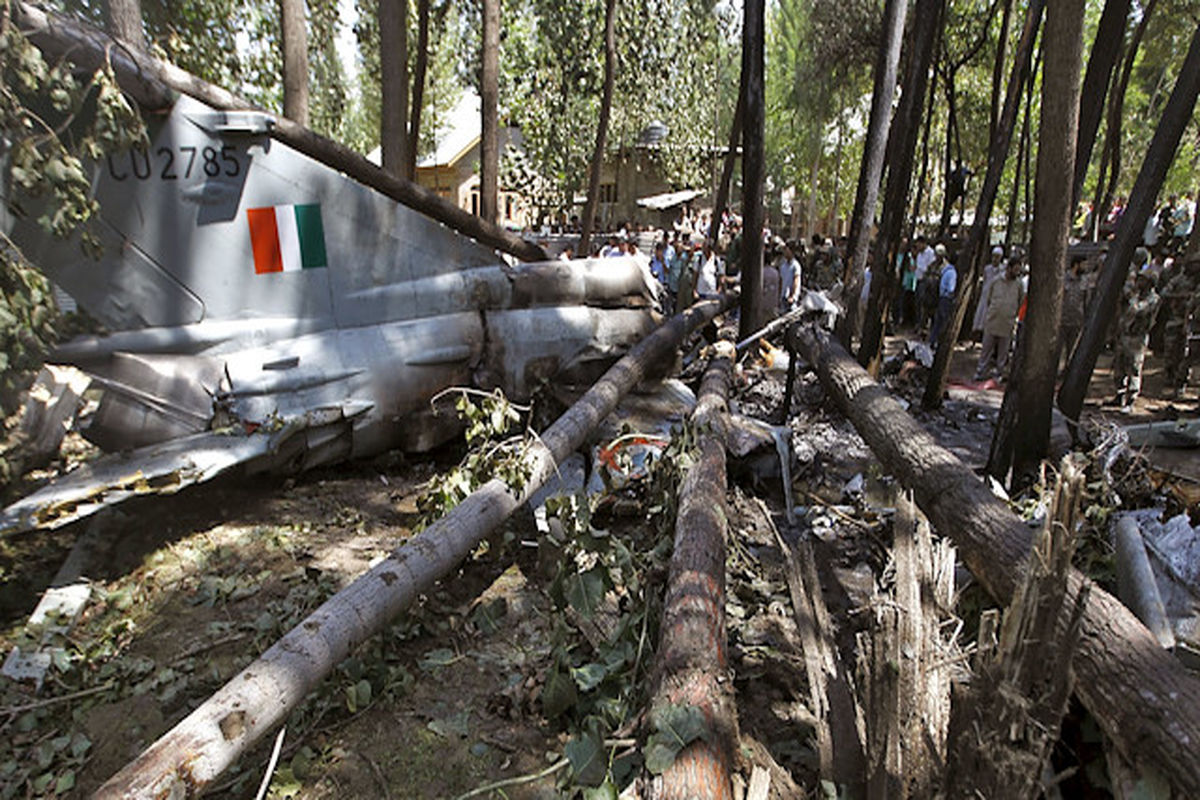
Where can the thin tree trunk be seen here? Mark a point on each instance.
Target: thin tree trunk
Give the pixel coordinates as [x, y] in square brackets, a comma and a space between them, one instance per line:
[610, 69]
[206, 742]
[418, 89]
[810, 214]
[1106, 52]
[1018, 165]
[948, 156]
[692, 661]
[1176, 116]
[998, 69]
[837, 179]
[1052, 226]
[902, 146]
[997, 155]
[1112, 135]
[735, 137]
[918, 204]
[866, 196]
[124, 21]
[1143, 698]
[154, 84]
[753, 37]
[489, 93]
[294, 37]
[393, 64]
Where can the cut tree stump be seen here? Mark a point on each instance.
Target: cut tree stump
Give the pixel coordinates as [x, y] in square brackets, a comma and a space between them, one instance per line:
[693, 662]
[1006, 721]
[1142, 697]
[904, 665]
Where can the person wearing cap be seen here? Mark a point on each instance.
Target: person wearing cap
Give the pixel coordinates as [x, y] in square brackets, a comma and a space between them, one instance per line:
[789, 278]
[947, 285]
[1137, 318]
[991, 271]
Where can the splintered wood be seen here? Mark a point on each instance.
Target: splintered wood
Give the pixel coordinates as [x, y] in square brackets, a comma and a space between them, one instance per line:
[1006, 721]
[905, 662]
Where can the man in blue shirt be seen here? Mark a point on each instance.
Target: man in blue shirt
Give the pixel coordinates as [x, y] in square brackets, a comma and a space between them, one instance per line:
[946, 288]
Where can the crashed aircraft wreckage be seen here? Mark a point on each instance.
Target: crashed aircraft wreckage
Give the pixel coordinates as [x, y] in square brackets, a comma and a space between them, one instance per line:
[262, 308]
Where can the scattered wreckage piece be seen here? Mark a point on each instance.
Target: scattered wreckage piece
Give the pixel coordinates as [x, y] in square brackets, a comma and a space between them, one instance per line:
[200, 747]
[155, 85]
[50, 407]
[1143, 698]
[1006, 721]
[693, 662]
[1136, 584]
[1172, 433]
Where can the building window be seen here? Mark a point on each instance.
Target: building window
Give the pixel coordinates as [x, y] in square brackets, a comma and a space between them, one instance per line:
[508, 206]
[608, 193]
[475, 203]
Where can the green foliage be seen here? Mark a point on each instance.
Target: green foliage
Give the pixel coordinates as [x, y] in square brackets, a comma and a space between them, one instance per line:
[53, 123]
[491, 453]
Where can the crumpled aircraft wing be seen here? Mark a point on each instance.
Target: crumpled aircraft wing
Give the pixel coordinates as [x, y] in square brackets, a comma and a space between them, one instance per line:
[157, 469]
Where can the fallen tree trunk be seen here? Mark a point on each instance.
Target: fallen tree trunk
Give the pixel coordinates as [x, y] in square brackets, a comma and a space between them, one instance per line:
[211, 738]
[154, 84]
[1143, 698]
[693, 663]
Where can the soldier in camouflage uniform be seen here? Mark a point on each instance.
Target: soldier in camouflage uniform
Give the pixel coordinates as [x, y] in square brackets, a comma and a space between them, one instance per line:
[1179, 299]
[1137, 318]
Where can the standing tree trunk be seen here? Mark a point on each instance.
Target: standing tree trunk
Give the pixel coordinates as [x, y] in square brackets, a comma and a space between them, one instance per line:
[610, 69]
[124, 21]
[998, 69]
[735, 137]
[295, 61]
[393, 64]
[753, 36]
[1106, 49]
[810, 213]
[997, 155]
[1052, 225]
[489, 93]
[919, 202]
[1111, 153]
[418, 90]
[1175, 119]
[870, 172]
[902, 147]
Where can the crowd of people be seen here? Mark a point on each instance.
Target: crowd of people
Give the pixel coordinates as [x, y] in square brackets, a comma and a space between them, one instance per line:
[1159, 308]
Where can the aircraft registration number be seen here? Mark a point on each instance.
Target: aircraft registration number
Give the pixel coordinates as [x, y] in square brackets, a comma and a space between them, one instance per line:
[175, 163]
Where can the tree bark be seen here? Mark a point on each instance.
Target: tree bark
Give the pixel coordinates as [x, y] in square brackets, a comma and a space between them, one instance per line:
[866, 196]
[198, 749]
[753, 163]
[610, 69]
[919, 202]
[154, 84]
[902, 146]
[1052, 226]
[489, 92]
[393, 66]
[735, 137]
[1145, 700]
[1176, 116]
[294, 41]
[692, 662]
[418, 90]
[124, 21]
[1110, 164]
[998, 69]
[968, 257]
[1106, 49]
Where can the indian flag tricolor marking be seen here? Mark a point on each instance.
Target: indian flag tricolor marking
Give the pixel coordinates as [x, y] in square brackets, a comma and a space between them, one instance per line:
[286, 238]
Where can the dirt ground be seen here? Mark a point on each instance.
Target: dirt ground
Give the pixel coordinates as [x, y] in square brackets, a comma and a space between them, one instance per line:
[188, 589]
